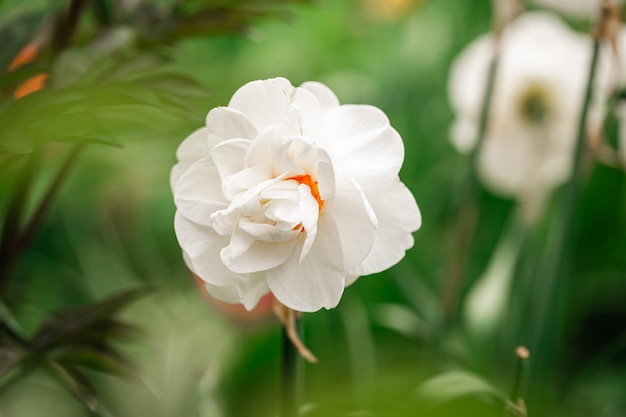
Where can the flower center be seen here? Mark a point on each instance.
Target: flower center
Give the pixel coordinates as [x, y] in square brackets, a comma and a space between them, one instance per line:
[535, 104]
[315, 192]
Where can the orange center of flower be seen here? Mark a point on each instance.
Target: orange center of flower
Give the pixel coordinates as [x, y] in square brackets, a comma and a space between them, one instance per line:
[315, 192]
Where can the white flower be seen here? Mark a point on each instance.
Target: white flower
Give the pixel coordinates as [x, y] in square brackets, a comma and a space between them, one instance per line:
[536, 104]
[287, 191]
[578, 9]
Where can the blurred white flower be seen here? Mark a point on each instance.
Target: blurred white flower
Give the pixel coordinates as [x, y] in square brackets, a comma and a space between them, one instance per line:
[536, 104]
[287, 191]
[578, 9]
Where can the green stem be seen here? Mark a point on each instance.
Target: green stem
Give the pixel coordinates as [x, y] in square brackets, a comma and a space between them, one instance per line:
[289, 377]
[468, 212]
[557, 266]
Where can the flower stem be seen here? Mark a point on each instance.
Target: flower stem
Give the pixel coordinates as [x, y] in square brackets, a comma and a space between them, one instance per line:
[557, 266]
[289, 376]
[468, 211]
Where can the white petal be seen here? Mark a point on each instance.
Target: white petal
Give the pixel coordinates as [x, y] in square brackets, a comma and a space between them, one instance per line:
[224, 123]
[229, 155]
[228, 294]
[355, 221]
[468, 78]
[243, 181]
[192, 149]
[318, 280]
[309, 121]
[266, 232]
[270, 153]
[308, 210]
[263, 102]
[327, 99]
[398, 216]
[365, 146]
[261, 256]
[198, 193]
[325, 176]
[283, 211]
[256, 289]
[304, 155]
[203, 245]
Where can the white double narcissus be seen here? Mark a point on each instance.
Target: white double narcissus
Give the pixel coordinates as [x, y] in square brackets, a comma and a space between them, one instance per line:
[287, 191]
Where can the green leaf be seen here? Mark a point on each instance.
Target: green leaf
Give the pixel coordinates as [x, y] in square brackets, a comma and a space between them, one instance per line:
[89, 114]
[107, 360]
[16, 33]
[75, 381]
[455, 385]
[87, 325]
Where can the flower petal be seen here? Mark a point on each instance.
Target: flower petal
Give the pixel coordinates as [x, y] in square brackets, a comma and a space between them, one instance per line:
[355, 220]
[270, 152]
[398, 216]
[257, 287]
[327, 99]
[263, 102]
[228, 156]
[365, 146]
[261, 256]
[192, 149]
[318, 280]
[325, 176]
[228, 294]
[308, 210]
[198, 193]
[202, 246]
[224, 123]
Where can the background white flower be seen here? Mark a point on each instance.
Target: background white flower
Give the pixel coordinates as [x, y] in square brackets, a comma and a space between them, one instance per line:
[579, 9]
[287, 191]
[536, 104]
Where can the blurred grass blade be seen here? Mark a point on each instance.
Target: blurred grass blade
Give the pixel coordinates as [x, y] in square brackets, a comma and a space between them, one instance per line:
[455, 385]
[75, 381]
[74, 324]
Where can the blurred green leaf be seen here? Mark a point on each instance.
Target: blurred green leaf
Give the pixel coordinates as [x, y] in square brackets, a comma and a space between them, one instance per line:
[75, 381]
[16, 33]
[455, 385]
[93, 114]
[107, 360]
[85, 323]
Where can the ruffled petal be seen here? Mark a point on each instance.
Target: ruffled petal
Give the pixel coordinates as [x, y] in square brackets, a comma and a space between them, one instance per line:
[257, 287]
[318, 280]
[355, 220]
[270, 152]
[192, 149]
[224, 123]
[327, 99]
[325, 176]
[202, 246]
[260, 256]
[228, 156]
[263, 102]
[398, 216]
[228, 294]
[198, 193]
[365, 146]
[308, 209]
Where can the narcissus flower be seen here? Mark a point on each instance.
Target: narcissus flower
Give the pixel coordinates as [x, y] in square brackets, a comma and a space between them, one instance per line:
[579, 9]
[286, 191]
[536, 104]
